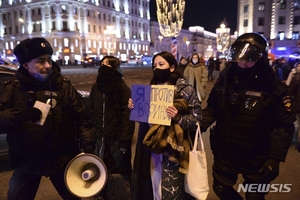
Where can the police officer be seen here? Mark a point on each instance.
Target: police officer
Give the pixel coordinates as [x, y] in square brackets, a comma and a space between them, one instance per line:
[38, 111]
[254, 121]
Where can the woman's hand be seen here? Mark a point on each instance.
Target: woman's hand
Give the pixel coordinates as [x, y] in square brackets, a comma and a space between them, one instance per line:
[173, 113]
[130, 104]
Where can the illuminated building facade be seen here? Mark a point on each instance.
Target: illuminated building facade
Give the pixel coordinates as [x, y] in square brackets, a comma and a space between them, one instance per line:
[78, 27]
[277, 20]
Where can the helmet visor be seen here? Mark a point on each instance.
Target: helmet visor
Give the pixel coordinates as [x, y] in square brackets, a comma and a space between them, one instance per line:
[244, 51]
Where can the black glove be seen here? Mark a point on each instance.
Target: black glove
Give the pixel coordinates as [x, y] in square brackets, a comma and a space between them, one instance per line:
[270, 170]
[89, 149]
[28, 114]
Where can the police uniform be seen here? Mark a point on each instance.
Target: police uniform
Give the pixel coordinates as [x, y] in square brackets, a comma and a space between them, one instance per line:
[37, 149]
[254, 124]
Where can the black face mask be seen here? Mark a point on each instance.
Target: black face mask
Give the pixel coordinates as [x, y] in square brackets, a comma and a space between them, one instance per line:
[161, 75]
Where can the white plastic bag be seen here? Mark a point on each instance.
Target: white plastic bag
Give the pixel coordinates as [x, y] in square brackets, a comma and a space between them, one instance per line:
[196, 180]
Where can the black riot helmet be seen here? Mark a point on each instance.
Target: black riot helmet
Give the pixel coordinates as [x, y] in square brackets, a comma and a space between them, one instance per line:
[248, 47]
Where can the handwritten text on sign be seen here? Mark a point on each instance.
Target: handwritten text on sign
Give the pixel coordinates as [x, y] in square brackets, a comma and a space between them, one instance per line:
[151, 102]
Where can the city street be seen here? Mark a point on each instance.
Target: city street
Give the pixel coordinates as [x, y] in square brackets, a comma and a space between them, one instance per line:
[83, 78]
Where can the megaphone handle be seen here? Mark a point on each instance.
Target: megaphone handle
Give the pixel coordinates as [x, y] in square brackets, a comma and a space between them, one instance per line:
[90, 173]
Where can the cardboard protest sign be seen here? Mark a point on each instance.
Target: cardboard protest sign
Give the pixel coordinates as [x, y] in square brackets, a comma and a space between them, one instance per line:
[151, 102]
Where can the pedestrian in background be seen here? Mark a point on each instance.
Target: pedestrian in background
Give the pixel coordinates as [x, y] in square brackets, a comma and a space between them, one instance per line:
[182, 63]
[156, 175]
[285, 68]
[274, 63]
[254, 120]
[196, 73]
[294, 91]
[108, 102]
[39, 149]
[211, 68]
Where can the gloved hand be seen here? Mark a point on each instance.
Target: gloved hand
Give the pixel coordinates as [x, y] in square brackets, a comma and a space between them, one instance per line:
[89, 149]
[270, 170]
[28, 114]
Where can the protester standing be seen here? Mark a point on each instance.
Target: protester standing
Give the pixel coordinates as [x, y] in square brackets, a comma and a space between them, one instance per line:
[182, 63]
[196, 73]
[36, 147]
[211, 68]
[108, 102]
[156, 174]
[254, 119]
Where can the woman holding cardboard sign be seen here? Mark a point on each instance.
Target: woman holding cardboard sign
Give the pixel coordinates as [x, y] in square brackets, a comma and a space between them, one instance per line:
[160, 159]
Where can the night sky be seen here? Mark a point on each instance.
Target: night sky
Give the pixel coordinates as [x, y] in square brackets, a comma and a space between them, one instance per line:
[206, 13]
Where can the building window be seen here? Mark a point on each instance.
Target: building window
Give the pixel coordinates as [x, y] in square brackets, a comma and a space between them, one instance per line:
[53, 26]
[281, 35]
[246, 8]
[75, 11]
[261, 6]
[295, 35]
[296, 20]
[76, 27]
[65, 26]
[76, 43]
[93, 14]
[64, 9]
[89, 28]
[55, 42]
[32, 12]
[261, 21]
[99, 15]
[66, 42]
[52, 10]
[282, 4]
[281, 20]
[245, 22]
[39, 11]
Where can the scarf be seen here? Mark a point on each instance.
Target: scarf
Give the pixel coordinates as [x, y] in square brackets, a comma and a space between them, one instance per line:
[108, 79]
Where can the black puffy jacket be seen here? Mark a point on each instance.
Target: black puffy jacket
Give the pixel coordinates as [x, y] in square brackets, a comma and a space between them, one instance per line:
[109, 108]
[45, 149]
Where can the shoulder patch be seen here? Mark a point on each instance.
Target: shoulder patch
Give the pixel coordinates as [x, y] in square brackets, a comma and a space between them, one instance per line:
[287, 103]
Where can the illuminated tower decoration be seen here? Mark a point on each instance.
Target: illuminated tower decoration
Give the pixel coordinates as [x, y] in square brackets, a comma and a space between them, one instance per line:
[223, 37]
[170, 18]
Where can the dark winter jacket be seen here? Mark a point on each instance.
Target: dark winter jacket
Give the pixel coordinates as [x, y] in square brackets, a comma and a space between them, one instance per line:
[108, 102]
[45, 149]
[252, 111]
[294, 91]
[141, 177]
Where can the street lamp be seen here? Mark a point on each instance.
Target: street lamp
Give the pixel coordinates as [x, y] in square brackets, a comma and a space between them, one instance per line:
[160, 37]
[110, 34]
[187, 44]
